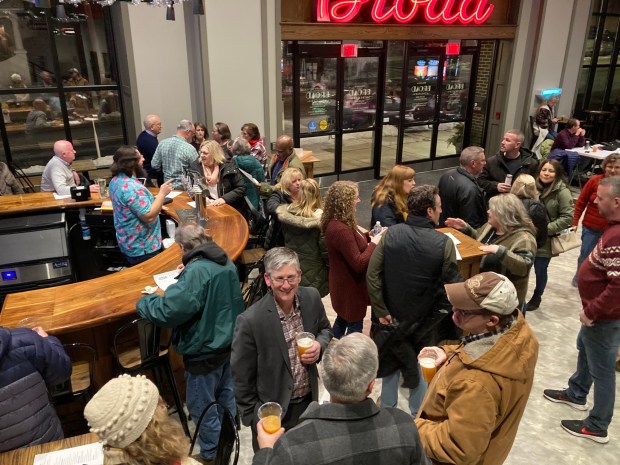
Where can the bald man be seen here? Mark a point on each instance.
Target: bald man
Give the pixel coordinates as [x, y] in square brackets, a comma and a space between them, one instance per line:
[285, 157]
[58, 176]
[147, 144]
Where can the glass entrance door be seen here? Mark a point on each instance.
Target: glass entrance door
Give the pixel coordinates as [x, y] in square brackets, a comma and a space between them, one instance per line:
[337, 106]
[437, 95]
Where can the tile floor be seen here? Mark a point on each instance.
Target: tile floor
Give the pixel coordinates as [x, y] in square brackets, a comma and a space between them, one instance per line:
[540, 439]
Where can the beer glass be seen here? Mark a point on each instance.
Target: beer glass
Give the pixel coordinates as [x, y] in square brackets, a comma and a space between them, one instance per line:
[103, 193]
[304, 342]
[271, 414]
[427, 363]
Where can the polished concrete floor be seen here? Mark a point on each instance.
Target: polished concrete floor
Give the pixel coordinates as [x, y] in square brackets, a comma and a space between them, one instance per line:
[540, 439]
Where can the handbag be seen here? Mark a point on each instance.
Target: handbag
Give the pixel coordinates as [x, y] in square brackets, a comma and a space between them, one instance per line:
[257, 220]
[565, 241]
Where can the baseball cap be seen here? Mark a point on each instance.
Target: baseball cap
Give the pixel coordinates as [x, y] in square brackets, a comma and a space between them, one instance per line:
[488, 291]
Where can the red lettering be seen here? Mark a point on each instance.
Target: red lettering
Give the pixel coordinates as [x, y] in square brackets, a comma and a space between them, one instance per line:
[434, 11]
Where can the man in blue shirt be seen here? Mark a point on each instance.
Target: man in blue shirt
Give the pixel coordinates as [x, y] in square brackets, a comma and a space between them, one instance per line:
[147, 144]
[174, 155]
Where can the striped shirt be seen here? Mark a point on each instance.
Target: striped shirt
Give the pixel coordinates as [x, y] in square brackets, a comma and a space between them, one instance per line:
[292, 325]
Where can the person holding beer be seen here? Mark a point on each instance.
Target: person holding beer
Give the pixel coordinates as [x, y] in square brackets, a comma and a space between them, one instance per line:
[266, 363]
[350, 428]
[475, 402]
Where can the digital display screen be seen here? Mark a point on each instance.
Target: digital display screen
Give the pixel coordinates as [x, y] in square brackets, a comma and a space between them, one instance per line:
[9, 275]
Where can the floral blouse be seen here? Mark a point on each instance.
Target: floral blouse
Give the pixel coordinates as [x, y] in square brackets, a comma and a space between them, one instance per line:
[130, 200]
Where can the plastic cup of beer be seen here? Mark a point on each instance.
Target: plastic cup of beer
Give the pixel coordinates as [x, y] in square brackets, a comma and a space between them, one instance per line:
[594, 148]
[304, 342]
[427, 363]
[271, 414]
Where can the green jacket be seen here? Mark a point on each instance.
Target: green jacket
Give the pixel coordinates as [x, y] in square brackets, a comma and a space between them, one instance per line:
[304, 237]
[559, 204]
[202, 306]
[514, 258]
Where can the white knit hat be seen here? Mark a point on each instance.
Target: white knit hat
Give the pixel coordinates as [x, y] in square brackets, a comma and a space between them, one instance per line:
[122, 409]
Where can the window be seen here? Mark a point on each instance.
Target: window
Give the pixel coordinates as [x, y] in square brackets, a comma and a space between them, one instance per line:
[58, 80]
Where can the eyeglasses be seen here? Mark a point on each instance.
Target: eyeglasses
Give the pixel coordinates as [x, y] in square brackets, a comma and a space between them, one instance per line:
[288, 279]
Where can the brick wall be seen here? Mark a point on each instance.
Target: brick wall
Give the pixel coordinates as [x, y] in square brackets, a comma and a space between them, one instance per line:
[482, 87]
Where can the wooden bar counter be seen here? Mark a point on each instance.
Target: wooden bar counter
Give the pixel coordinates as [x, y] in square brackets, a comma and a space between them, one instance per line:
[25, 455]
[89, 311]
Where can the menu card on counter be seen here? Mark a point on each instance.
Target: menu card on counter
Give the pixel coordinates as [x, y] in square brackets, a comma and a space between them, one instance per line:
[90, 454]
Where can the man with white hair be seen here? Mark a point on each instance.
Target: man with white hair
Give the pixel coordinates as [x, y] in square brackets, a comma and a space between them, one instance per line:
[58, 176]
[174, 155]
[146, 143]
[351, 428]
[474, 404]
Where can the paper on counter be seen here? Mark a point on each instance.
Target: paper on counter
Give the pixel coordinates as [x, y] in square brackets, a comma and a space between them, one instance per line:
[61, 197]
[164, 280]
[173, 194]
[192, 204]
[90, 454]
[456, 242]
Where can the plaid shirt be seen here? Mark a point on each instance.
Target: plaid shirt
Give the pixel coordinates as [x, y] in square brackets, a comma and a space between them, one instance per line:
[477, 337]
[291, 326]
[175, 154]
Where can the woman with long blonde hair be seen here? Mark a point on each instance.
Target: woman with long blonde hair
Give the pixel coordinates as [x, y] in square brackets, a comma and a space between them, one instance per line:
[300, 223]
[284, 193]
[389, 199]
[223, 180]
[349, 252]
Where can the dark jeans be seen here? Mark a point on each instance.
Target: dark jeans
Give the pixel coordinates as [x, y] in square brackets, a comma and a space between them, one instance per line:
[142, 258]
[540, 268]
[342, 327]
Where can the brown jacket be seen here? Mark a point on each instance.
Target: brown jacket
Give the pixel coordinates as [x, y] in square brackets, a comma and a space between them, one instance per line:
[471, 412]
[8, 184]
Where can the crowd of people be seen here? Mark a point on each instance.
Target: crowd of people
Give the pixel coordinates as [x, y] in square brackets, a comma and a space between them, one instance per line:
[402, 267]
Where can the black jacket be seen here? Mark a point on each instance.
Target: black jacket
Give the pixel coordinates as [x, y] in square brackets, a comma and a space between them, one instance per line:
[230, 185]
[538, 214]
[462, 197]
[495, 171]
[386, 214]
[27, 363]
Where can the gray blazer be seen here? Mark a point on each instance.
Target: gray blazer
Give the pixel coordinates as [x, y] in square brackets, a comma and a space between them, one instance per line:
[260, 363]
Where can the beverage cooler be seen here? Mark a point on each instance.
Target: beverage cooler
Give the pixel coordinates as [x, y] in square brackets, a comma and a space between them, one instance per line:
[34, 253]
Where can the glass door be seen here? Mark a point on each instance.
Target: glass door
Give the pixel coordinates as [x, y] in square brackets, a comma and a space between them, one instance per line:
[436, 109]
[335, 106]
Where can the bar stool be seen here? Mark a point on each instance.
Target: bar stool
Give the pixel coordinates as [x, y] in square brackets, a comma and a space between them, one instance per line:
[151, 354]
[81, 384]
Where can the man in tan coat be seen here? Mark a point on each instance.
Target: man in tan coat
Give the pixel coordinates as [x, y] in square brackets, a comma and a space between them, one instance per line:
[474, 404]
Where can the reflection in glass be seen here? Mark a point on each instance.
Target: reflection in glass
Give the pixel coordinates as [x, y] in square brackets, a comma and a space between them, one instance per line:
[449, 139]
[422, 88]
[324, 148]
[389, 145]
[598, 89]
[317, 94]
[98, 132]
[417, 143]
[455, 87]
[286, 70]
[360, 93]
[589, 50]
[584, 76]
[608, 39]
[357, 150]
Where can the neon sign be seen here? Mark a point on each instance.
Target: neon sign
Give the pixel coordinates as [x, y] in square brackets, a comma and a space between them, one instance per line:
[404, 11]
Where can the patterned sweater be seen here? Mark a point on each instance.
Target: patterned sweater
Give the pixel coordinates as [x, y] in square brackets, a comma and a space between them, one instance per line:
[599, 277]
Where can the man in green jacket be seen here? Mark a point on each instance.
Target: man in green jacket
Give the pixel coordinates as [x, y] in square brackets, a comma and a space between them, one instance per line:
[201, 307]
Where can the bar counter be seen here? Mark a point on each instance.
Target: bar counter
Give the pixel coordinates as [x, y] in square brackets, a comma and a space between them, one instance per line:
[95, 302]
[91, 311]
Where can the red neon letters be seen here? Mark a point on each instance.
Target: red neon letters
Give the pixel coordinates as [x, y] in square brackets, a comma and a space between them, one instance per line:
[403, 11]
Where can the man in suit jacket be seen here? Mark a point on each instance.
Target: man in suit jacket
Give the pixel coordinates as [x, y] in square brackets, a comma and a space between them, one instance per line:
[265, 364]
[147, 144]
